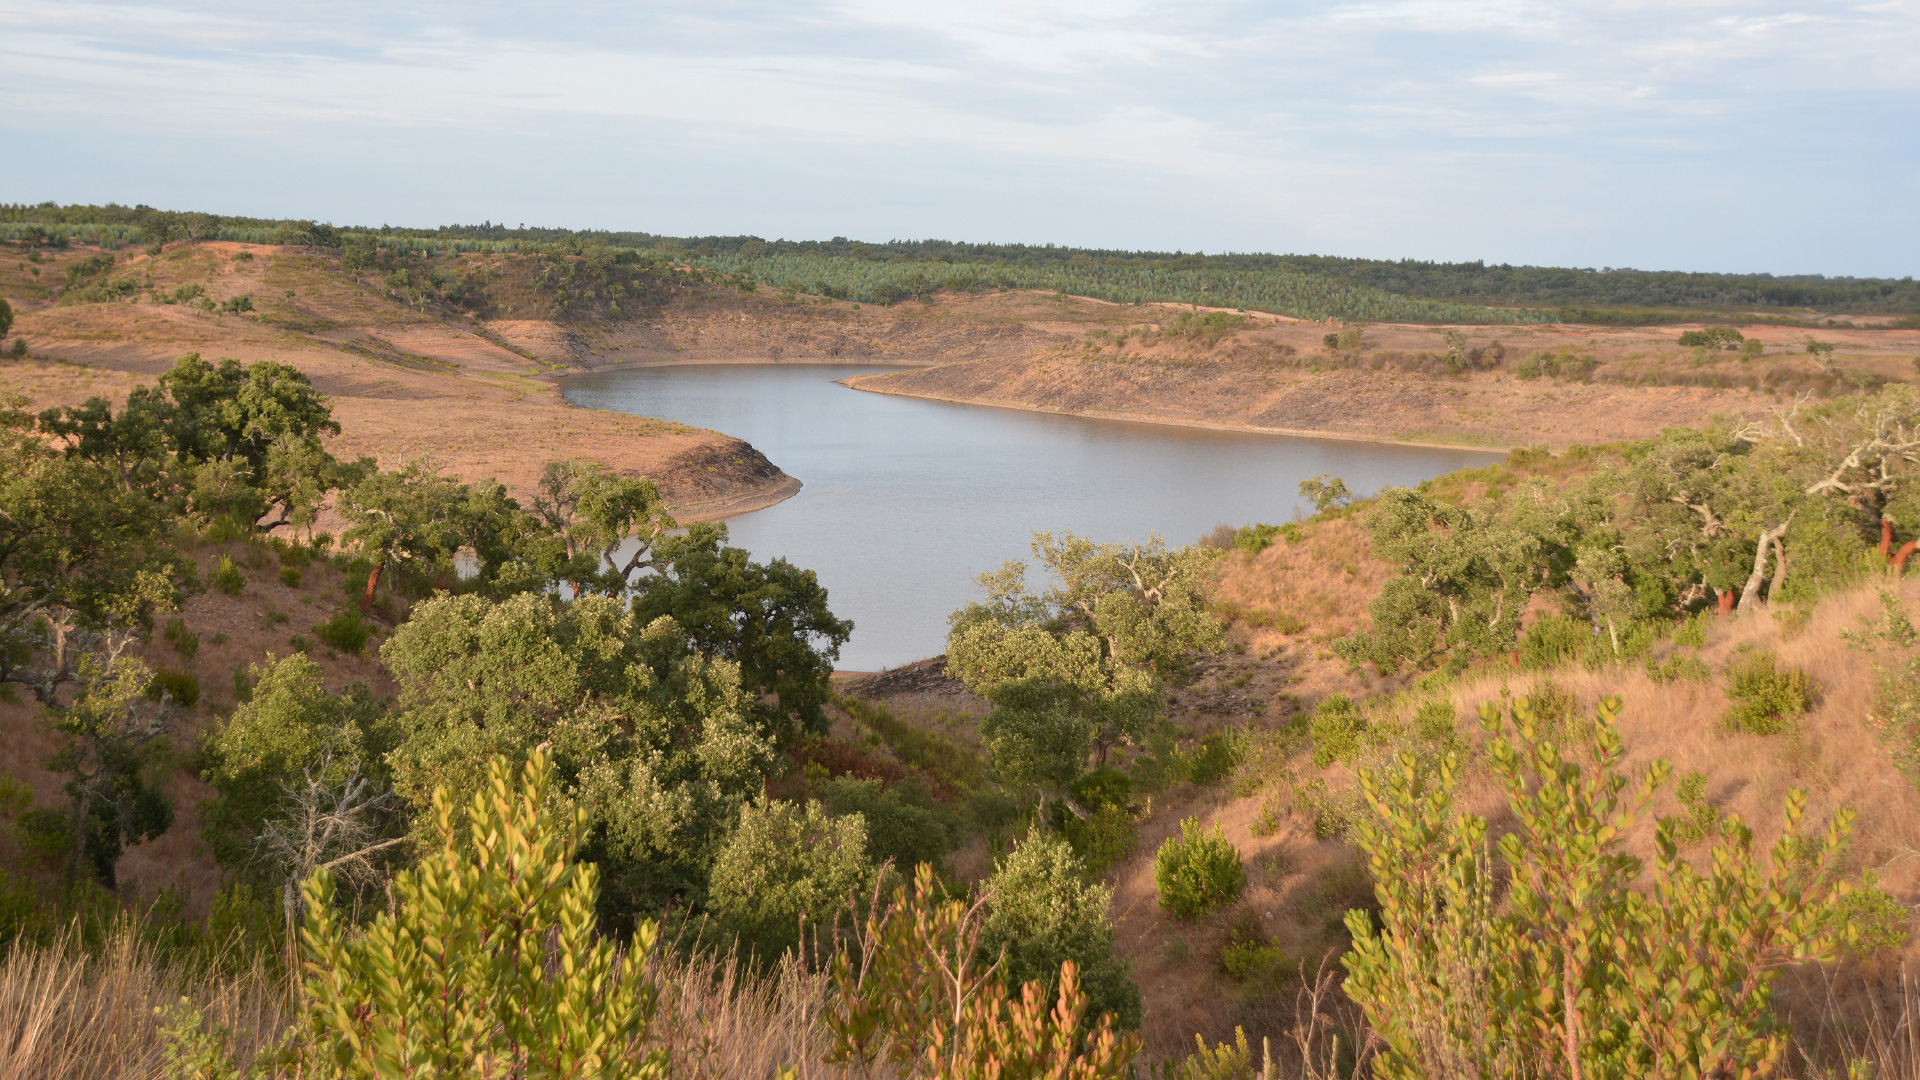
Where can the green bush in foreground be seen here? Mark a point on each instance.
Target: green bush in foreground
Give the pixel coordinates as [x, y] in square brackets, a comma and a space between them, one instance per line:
[1043, 913]
[488, 964]
[1198, 872]
[1576, 972]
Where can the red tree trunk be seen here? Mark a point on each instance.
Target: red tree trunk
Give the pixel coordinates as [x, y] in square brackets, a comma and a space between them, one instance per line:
[373, 579]
[1900, 557]
[1726, 602]
[1886, 537]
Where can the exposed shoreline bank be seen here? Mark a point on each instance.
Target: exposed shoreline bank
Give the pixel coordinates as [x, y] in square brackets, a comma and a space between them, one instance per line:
[856, 383]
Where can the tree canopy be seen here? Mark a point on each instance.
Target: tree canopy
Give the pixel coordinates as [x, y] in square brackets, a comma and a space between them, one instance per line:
[1078, 668]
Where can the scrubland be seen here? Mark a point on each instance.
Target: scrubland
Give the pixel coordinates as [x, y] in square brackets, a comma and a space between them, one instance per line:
[1149, 801]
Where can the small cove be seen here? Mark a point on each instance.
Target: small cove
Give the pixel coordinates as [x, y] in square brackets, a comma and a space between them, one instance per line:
[905, 500]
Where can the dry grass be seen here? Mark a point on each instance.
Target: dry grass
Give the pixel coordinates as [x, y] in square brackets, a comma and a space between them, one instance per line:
[70, 1014]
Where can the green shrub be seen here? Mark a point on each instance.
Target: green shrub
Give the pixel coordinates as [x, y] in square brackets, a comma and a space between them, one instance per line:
[345, 630]
[184, 641]
[290, 576]
[227, 577]
[1693, 631]
[1333, 813]
[299, 643]
[903, 824]
[1212, 761]
[44, 835]
[182, 686]
[1765, 695]
[1042, 911]
[1227, 1061]
[1101, 788]
[1450, 970]
[1248, 961]
[1103, 839]
[242, 685]
[781, 863]
[1552, 641]
[1254, 539]
[1198, 871]
[1679, 667]
[1879, 923]
[1339, 730]
[483, 909]
[1896, 716]
[1713, 337]
[1436, 722]
[1249, 954]
[1698, 818]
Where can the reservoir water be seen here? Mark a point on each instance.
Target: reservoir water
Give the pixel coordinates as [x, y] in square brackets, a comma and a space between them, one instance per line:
[906, 500]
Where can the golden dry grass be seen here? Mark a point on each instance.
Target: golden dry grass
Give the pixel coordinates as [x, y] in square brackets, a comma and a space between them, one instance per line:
[67, 1013]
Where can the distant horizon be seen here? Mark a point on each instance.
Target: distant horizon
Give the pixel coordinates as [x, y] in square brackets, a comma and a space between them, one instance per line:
[522, 227]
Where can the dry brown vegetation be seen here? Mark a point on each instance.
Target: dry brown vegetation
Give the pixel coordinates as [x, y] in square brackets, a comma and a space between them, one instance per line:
[1278, 375]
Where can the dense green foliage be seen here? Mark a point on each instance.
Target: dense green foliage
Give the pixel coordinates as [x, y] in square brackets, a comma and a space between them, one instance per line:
[1198, 872]
[1043, 913]
[489, 962]
[786, 871]
[1735, 516]
[1080, 668]
[1575, 967]
[652, 739]
[771, 619]
[1766, 696]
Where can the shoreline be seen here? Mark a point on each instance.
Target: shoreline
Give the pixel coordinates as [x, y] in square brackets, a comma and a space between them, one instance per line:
[854, 383]
[733, 506]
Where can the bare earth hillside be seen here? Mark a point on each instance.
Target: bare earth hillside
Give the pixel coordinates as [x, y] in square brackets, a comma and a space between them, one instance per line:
[1476, 386]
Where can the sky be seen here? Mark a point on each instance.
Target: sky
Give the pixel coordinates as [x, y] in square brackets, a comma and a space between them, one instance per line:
[1660, 134]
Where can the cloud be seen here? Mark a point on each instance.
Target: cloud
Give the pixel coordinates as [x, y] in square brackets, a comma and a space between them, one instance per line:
[1551, 132]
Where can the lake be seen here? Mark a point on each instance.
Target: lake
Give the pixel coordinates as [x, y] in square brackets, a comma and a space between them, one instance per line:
[906, 500]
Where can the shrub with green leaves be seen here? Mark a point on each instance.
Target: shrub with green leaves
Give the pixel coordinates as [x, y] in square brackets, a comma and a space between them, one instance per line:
[1766, 695]
[345, 630]
[180, 687]
[1698, 818]
[784, 863]
[1553, 641]
[1198, 872]
[904, 824]
[1896, 716]
[1212, 761]
[1043, 912]
[1227, 1061]
[1103, 839]
[1339, 730]
[1250, 955]
[1436, 722]
[227, 577]
[1576, 969]
[488, 963]
[184, 641]
[1879, 923]
[1679, 667]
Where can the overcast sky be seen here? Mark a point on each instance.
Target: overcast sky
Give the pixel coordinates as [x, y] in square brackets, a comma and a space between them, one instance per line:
[1734, 135]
